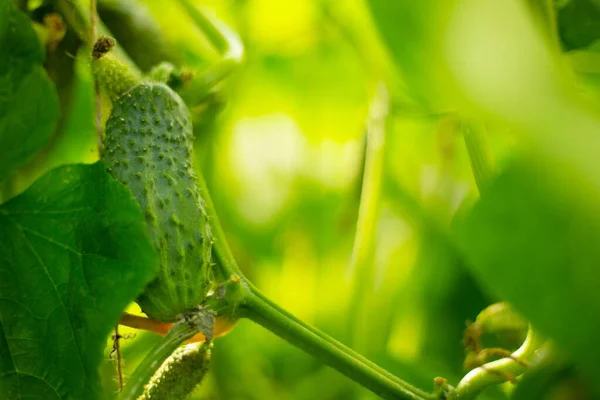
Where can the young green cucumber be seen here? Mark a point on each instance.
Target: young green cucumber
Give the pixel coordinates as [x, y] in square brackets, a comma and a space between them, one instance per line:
[179, 374]
[148, 147]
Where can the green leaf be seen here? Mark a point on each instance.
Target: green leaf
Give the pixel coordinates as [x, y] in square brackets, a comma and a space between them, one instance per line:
[578, 25]
[413, 33]
[553, 379]
[28, 99]
[533, 239]
[74, 251]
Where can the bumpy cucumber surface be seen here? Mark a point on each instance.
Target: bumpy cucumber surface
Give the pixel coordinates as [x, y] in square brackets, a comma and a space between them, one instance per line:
[179, 374]
[148, 147]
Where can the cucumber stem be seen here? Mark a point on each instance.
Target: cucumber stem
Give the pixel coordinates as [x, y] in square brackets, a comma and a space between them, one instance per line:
[225, 40]
[262, 311]
[79, 20]
[251, 303]
[114, 75]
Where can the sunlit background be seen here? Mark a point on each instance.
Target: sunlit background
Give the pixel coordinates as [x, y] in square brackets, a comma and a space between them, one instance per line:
[283, 152]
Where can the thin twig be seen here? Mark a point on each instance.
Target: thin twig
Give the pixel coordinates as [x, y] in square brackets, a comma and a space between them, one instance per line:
[117, 350]
[98, 99]
[93, 20]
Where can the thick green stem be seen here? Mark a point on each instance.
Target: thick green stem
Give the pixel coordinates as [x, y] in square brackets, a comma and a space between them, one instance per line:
[479, 153]
[256, 306]
[328, 350]
[225, 39]
[115, 76]
[251, 303]
[78, 19]
[179, 333]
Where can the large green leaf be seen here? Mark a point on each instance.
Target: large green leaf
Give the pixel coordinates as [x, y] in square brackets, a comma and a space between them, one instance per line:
[28, 98]
[533, 239]
[74, 251]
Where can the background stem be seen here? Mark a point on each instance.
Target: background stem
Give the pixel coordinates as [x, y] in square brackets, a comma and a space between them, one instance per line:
[225, 39]
[361, 267]
[479, 153]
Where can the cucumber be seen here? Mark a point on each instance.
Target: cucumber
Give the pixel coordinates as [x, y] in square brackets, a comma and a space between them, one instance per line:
[179, 374]
[148, 147]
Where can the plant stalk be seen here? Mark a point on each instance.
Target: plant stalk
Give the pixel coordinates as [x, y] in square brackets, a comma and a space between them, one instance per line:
[479, 153]
[361, 267]
[328, 350]
[225, 40]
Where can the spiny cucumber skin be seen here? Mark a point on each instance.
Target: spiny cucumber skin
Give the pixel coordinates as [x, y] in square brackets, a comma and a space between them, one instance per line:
[148, 147]
[179, 374]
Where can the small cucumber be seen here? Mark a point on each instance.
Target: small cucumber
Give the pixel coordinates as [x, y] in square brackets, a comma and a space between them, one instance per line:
[148, 147]
[179, 374]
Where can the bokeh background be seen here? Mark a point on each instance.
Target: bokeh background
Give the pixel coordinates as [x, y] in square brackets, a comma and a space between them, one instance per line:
[282, 145]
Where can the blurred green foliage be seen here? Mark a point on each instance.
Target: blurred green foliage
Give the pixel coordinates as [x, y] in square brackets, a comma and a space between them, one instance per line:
[282, 142]
[25, 90]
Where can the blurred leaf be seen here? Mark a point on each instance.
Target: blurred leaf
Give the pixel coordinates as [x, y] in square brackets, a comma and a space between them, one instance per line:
[186, 44]
[28, 98]
[74, 252]
[441, 290]
[578, 23]
[411, 31]
[552, 381]
[75, 141]
[586, 63]
[136, 29]
[533, 239]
